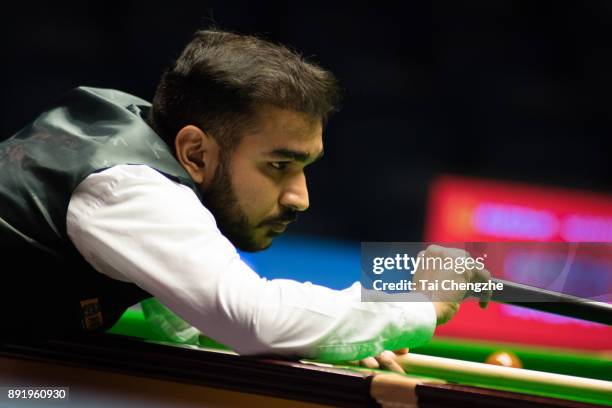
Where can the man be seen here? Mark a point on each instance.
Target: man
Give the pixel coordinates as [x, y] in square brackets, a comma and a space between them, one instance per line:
[107, 201]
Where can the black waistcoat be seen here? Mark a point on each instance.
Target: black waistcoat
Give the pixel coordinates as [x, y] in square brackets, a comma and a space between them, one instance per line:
[47, 288]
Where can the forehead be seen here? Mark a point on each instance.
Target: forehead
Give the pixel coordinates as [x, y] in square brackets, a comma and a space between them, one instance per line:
[275, 128]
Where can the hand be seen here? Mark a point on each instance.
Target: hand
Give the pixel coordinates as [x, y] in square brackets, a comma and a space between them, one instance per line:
[383, 361]
[445, 311]
[446, 302]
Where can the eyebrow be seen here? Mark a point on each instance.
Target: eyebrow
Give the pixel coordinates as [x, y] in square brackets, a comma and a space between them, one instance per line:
[295, 155]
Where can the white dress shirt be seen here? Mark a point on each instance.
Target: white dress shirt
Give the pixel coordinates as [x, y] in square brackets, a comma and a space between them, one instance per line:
[133, 224]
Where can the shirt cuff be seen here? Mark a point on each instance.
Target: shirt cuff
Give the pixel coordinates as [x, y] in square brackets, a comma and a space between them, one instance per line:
[418, 321]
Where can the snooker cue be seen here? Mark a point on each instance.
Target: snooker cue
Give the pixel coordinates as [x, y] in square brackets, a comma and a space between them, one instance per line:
[468, 372]
[553, 302]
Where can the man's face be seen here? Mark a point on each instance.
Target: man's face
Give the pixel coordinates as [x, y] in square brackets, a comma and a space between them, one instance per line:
[260, 186]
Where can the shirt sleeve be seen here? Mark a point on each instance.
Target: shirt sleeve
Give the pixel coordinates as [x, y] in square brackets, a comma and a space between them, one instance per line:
[133, 224]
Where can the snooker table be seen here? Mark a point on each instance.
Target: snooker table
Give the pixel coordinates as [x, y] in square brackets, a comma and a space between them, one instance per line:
[132, 366]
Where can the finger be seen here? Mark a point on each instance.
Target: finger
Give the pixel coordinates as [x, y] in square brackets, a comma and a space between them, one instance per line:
[484, 275]
[401, 351]
[386, 360]
[455, 252]
[485, 297]
[369, 362]
[434, 250]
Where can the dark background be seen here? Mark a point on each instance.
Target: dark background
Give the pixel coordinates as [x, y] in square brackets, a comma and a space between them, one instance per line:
[516, 91]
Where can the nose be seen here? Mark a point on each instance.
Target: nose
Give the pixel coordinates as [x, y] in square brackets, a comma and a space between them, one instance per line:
[295, 194]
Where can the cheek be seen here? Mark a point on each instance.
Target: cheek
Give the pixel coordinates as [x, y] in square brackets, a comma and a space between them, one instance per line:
[257, 194]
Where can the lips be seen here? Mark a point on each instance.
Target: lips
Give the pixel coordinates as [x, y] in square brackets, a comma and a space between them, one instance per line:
[278, 226]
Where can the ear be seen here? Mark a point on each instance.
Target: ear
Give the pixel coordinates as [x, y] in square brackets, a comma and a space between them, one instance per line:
[198, 153]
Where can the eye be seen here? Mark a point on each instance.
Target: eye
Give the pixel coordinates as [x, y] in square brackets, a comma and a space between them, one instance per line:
[279, 165]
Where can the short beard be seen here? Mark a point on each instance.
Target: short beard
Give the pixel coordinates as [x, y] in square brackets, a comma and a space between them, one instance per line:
[221, 200]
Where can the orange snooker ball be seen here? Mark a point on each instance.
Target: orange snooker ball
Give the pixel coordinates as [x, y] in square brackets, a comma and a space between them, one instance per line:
[504, 358]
